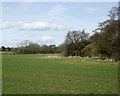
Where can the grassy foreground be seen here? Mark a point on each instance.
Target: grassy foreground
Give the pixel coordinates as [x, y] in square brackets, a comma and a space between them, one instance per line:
[43, 74]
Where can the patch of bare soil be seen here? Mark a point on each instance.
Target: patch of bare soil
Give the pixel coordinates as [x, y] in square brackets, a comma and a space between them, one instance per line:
[61, 57]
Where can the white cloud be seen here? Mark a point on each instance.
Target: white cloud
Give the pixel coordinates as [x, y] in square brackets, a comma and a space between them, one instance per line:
[90, 11]
[6, 25]
[46, 38]
[32, 26]
[57, 10]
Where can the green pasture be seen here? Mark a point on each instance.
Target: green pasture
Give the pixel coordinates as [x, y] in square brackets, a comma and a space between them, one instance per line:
[47, 74]
[6, 52]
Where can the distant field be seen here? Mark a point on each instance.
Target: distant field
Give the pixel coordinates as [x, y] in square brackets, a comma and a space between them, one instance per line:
[6, 52]
[51, 74]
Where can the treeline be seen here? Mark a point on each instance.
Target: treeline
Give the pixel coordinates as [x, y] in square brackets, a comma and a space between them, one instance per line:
[34, 48]
[27, 47]
[104, 43]
[5, 48]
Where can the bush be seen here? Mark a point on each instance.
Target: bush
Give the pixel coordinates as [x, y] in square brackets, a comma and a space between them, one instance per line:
[90, 50]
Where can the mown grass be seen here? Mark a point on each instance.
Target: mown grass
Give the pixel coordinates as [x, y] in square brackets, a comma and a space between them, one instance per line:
[33, 74]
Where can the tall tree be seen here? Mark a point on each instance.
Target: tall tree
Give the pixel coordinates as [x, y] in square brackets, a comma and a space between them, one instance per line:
[75, 42]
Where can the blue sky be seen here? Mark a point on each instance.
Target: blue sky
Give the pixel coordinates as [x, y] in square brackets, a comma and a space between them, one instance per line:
[48, 23]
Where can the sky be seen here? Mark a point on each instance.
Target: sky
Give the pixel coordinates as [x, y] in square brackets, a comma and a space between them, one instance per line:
[49, 22]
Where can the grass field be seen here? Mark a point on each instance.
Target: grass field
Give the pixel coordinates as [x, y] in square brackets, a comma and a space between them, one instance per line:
[44, 74]
[6, 52]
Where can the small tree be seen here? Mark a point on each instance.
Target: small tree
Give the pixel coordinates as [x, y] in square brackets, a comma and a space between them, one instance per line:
[3, 48]
[90, 50]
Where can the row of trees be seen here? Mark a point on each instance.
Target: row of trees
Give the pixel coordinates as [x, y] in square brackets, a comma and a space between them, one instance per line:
[5, 48]
[103, 43]
[28, 47]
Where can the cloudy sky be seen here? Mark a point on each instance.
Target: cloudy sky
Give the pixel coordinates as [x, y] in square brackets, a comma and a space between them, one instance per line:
[48, 23]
